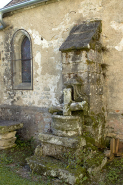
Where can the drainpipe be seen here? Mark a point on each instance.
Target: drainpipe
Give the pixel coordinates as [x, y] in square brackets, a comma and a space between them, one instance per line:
[16, 7]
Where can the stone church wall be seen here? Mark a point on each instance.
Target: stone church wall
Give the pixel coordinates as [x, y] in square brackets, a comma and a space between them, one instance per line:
[48, 25]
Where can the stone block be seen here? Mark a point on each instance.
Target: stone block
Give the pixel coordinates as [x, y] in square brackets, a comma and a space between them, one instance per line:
[7, 135]
[6, 143]
[8, 126]
[66, 123]
[59, 141]
[91, 55]
[56, 151]
[55, 168]
[91, 66]
[75, 67]
[99, 89]
[92, 78]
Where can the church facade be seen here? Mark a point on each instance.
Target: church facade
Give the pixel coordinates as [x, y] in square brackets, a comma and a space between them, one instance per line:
[36, 60]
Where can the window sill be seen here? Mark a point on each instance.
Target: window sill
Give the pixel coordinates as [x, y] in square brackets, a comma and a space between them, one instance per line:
[23, 86]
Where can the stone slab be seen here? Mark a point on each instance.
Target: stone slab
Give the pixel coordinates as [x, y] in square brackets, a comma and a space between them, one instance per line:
[7, 142]
[7, 135]
[9, 126]
[55, 168]
[61, 141]
[66, 133]
[81, 36]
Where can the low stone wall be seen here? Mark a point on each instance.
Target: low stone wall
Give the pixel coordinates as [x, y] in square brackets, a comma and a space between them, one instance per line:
[36, 120]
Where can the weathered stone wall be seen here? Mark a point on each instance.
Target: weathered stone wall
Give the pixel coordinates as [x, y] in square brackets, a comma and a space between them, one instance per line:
[85, 66]
[35, 119]
[49, 25]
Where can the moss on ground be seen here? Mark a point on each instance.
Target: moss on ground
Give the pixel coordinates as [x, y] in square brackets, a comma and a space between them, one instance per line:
[111, 174]
[8, 177]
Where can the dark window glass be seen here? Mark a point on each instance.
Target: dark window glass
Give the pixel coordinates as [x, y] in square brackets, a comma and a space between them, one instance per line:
[26, 61]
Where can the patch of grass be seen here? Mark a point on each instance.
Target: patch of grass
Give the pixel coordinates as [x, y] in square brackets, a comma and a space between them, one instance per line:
[8, 177]
[111, 174]
[114, 171]
[13, 167]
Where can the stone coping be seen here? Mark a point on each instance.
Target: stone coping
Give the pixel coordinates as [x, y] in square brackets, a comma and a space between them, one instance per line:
[25, 108]
[65, 117]
[81, 36]
[114, 135]
[9, 126]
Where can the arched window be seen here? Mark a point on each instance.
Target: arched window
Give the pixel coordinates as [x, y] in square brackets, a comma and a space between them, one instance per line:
[26, 61]
[21, 60]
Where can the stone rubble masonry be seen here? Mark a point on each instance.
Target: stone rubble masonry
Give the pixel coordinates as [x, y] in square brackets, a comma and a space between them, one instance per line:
[48, 30]
[87, 66]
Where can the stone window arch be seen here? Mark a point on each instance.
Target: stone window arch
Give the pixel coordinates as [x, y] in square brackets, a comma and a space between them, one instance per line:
[22, 60]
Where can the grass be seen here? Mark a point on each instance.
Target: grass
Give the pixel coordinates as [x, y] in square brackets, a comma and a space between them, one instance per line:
[8, 177]
[111, 174]
[115, 171]
[13, 167]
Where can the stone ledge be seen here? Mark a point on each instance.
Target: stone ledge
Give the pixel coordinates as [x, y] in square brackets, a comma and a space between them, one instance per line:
[66, 133]
[61, 141]
[9, 126]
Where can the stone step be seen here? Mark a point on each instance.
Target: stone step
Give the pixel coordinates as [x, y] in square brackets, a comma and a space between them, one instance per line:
[59, 147]
[66, 125]
[67, 142]
[55, 168]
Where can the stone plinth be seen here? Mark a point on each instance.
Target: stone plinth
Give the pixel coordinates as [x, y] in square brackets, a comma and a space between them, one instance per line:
[66, 125]
[57, 146]
[7, 133]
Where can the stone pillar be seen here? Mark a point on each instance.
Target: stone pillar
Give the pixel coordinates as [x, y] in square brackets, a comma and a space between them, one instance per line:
[67, 101]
